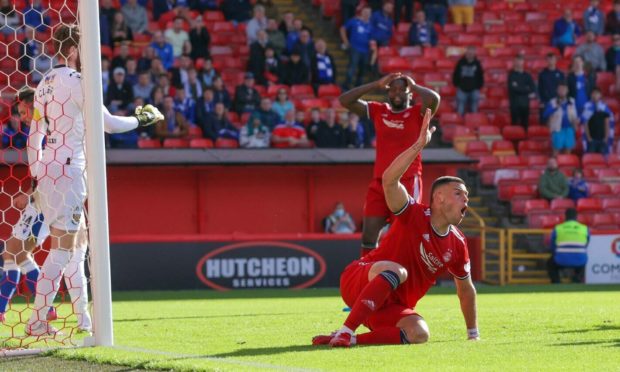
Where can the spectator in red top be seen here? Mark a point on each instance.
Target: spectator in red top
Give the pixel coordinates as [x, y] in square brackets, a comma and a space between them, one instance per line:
[289, 134]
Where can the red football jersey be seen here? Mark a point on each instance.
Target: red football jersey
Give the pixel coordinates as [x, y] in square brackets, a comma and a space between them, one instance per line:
[395, 132]
[412, 242]
[287, 131]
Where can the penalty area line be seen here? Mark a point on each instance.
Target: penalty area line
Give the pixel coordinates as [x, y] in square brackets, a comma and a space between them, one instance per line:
[212, 358]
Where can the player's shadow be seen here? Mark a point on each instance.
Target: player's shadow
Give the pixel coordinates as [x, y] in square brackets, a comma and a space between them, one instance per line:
[205, 317]
[600, 327]
[260, 351]
[612, 343]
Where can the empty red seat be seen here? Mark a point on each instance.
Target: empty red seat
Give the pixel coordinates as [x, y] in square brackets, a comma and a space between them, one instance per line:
[585, 218]
[272, 90]
[176, 143]
[226, 143]
[561, 204]
[538, 132]
[568, 161]
[310, 103]
[201, 143]
[606, 174]
[589, 205]
[502, 148]
[410, 51]
[612, 204]
[604, 221]
[329, 91]
[394, 64]
[537, 161]
[524, 191]
[389, 51]
[195, 132]
[513, 133]
[513, 161]
[476, 119]
[450, 118]
[487, 165]
[489, 131]
[613, 160]
[213, 15]
[301, 91]
[593, 161]
[531, 147]
[421, 65]
[599, 190]
[536, 206]
[531, 176]
[148, 143]
[476, 149]
[550, 221]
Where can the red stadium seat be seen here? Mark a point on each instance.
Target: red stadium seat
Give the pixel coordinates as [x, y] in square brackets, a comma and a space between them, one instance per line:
[176, 143]
[410, 51]
[561, 204]
[538, 132]
[585, 219]
[568, 161]
[225, 143]
[536, 206]
[195, 132]
[593, 161]
[201, 143]
[476, 119]
[487, 166]
[476, 149]
[394, 64]
[513, 162]
[604, 80]
[537, 161]
[221, 51]
[501, 148]
[302, 91]
[329, 91]
[422, 65]
[612, 204]
[589, 205]
[607, 174]
[389, 51]
[531, 176]
[310, 103]
[550, 221]
[213, 16]
[513, 133]
[147, 143]
[604, 221]
[599, 190]
[613, 160]
[450, 118]
[523, 191]
[272, 90]
[433, 53]
[529, 147]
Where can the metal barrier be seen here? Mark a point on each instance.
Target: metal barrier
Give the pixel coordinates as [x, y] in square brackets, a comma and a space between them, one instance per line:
[493, 248]
[528, 260]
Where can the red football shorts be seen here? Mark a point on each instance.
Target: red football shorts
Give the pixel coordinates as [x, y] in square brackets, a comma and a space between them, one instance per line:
[375, 205]
[353, 280]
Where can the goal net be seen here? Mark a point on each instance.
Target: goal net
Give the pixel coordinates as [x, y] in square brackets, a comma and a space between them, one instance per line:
[45, 284]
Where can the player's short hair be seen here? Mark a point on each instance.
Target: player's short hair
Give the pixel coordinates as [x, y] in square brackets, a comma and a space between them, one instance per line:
[26, 94]
[570, 214]
[443, 180]
[65, 37]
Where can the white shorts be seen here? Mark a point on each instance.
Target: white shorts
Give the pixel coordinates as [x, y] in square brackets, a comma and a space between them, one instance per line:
[31, 225]
[61, 199]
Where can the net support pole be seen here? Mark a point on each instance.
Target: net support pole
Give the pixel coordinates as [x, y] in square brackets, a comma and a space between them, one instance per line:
[96, 167]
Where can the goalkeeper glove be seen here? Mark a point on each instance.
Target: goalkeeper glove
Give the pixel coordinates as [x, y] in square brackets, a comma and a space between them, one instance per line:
[147, 115]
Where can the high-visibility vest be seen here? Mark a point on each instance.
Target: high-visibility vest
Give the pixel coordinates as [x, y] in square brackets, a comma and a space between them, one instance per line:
[571, 241]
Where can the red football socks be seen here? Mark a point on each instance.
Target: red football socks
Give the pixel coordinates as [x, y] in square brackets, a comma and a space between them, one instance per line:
[382, 336]
[373, 296]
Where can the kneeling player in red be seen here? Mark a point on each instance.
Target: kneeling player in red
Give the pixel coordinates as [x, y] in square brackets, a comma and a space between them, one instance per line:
[383, 287]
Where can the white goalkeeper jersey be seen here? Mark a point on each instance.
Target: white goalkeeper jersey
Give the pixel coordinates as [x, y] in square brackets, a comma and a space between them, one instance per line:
[58, 118]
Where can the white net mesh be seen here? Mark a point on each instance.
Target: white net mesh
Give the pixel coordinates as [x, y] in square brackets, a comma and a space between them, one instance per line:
[43, 284]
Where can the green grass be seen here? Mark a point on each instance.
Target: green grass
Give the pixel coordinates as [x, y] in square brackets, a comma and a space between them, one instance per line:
[550, 328]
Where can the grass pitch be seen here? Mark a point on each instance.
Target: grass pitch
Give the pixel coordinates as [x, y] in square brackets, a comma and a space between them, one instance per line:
[550, 328]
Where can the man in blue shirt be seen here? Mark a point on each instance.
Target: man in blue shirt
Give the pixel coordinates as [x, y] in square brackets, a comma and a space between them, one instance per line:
[561, 117]
[163, 49]
[422, 32]
[381, 24]
[548, 80]
[569, 243]
[355, 36]
[565, 31]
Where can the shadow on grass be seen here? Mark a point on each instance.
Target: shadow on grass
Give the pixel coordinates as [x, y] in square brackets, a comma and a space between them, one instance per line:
[600, 327]
[263, 351]
[612, 343]
[211, 316]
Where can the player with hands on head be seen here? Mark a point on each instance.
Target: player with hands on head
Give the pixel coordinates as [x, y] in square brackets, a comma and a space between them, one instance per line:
[397, 124]
[383, 287]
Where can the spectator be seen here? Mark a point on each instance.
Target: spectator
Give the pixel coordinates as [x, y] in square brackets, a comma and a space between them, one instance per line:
[177, 36]
[468, 78]
[382, 25]
[185, 105]
[193, 86]
[580, 83]
[157, 70]
[577, 186]
[105, 74]
[339, 222]
[119, 30]
[107, 9]
[287, 23]
[157, 97]
[422, 32]
[254, 134]
[593, 18]
[247, 97]
[569, 243]
[38, 62]
[314, 123]
[144, 87]
[612, 24]
[592, 53]
[162, 6]
[180, 74]
[256, 62]
[328, 134]
[217, 125]
[323, 65]
[220, 93]
[354, 132]
[36, 17]
[462, 11]
[348, 8]
[293, 35]
[146, 59]
[552, 183]
[520, 89]
[275, 36]
[136, 17]
[289, 133]
[562, 119]
[612, 56]
[282, 104]
[163, 49]
[596, 118]
[257, 23]
[373, 63]
[14, 133]
[131, 73]
[565, 31]
[174, 125]
[548, 80]
[104, 30]
[238, 11]
[398, 7]
[203, 5]
[128, 140]
[199, 39]
[120, 93]
[305, 46]
[436, 11]
[295, 71]
[272, 73]
[208, 73]
[268, 117]
[10, 18]
[123, 56]
[205, 106]
[355, 36]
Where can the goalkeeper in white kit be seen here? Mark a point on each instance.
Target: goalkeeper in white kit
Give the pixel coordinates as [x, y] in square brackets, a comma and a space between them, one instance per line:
[59, 167]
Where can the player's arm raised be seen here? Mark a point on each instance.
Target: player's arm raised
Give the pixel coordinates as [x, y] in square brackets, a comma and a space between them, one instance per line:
[430, 98]
[396, 195]
[352, 101]
[467, 297]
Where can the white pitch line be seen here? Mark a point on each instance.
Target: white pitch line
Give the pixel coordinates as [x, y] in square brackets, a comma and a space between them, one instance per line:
[215, 359]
